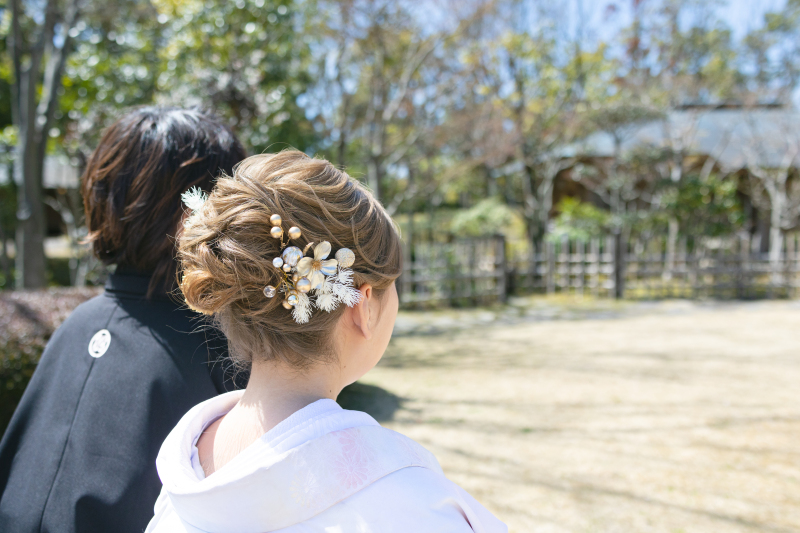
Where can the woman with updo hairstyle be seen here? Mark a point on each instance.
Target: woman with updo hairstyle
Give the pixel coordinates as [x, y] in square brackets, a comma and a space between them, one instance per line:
[296, 264]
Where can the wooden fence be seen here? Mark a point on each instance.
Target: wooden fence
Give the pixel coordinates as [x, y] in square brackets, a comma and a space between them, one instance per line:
[467, 272]
[478, 271]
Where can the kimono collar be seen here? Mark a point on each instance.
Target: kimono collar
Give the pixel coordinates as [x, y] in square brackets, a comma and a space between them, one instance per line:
[130, 284]
[312, 460]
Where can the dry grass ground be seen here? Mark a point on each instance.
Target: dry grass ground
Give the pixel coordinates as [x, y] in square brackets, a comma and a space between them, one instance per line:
[671, 417]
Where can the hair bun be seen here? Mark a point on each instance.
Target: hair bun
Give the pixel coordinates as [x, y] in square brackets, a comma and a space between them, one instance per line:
[226, 251]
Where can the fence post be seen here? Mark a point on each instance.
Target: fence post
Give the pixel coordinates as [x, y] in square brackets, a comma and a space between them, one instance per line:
[740, 257]
[596, 267]
[796, 277]
[501, 268]
[619, 265]
[794, 262]
[404, 287]
[550, 258]
[581, 275]
[564, 266]
[471, 263]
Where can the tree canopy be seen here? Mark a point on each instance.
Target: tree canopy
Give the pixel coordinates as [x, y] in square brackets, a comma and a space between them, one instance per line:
[441, 104]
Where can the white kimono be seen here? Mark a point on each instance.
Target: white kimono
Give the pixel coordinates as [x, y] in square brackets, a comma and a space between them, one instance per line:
[323, 469]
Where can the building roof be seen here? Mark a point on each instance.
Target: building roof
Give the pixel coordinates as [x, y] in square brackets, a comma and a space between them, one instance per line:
[736, 137]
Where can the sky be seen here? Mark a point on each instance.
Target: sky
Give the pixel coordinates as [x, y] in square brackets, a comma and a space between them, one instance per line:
[741, 15]
[603, 23]
[745, 15]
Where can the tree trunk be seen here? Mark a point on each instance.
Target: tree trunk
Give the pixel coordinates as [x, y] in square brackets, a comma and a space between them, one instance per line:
[31, 227]
[4, 259]
[411, 236]
[343, 137]
[762, 230]
[33, 111]
[491, 183]
[7, 233]
[375, 177]
[776, 239]
[538, 231]
[531, 208]
[545, 200]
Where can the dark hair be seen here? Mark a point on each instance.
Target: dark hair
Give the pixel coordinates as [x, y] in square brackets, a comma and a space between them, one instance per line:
[134, 179]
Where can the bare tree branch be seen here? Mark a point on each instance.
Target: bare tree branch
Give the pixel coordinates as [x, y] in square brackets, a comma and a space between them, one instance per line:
[15, 43]
[55, 68]
[413, 65]
[403, 147]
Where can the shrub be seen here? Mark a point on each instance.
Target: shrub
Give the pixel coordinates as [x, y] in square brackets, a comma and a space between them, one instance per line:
[487, 217]
[27, 320]
[580, 221]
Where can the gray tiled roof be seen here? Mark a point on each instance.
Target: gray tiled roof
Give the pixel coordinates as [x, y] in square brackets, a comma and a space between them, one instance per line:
[734, 136]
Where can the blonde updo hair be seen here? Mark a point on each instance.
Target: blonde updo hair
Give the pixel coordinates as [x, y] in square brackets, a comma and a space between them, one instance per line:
[226, 252]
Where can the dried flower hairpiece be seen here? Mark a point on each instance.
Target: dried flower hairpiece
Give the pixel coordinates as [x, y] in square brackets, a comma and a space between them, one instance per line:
[328, 281]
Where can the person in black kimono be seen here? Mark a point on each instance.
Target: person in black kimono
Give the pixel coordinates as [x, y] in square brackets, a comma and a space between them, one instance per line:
[79, 453]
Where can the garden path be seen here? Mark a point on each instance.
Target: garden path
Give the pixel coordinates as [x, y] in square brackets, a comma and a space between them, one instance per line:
[582, 416]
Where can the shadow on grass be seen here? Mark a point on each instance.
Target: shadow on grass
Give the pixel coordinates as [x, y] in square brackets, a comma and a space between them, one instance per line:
[379, 403]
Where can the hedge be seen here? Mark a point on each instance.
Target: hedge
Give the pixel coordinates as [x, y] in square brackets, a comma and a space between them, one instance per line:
[27, 320]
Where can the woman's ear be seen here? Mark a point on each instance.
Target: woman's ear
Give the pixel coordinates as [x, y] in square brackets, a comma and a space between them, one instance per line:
[361, 311]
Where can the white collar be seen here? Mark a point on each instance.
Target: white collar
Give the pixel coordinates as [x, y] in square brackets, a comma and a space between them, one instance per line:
[300, 427]
[311, 422]
[225, 496]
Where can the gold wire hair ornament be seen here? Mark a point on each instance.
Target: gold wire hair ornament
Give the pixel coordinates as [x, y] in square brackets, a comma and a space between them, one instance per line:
[328, 281]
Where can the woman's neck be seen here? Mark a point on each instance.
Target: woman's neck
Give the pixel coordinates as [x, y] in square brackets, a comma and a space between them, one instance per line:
[274, 392]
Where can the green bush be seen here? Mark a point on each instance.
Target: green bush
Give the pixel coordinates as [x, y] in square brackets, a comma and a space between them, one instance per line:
[27, 320]
[707, 206]
[579, 221]
[487, 217]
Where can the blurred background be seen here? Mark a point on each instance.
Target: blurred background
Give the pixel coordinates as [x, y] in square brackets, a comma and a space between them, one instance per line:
[599, 204]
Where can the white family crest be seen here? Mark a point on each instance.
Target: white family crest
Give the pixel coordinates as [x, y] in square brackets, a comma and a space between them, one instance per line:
[99, 344]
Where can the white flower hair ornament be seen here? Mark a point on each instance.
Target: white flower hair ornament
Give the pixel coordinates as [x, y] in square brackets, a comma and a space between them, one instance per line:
[328, 281]
[308, 282]
[194, 199]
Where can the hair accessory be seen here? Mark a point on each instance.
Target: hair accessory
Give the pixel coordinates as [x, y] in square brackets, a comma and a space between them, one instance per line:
[308, 282]
[194, 199]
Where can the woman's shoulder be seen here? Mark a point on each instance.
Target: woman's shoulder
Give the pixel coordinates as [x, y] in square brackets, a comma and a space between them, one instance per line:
[410, 499]
[350, 474]
[414, 494]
